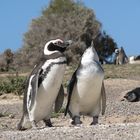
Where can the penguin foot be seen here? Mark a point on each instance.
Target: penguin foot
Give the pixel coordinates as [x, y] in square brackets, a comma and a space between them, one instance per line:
[76, 120]
[48, 123]
[20, 127]
[34, 125]
[95, 120]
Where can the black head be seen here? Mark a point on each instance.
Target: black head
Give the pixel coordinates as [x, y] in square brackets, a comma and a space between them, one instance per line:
[56, 46]
[131, 96]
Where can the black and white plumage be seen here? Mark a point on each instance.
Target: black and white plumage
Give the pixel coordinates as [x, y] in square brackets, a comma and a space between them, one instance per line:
[86, 92]
[44, 85]
[133, 95]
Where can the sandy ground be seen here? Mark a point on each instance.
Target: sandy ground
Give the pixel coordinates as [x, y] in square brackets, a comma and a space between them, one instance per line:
[121, 120]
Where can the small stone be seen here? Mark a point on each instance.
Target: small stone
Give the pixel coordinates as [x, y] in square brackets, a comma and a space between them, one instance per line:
[11, 116]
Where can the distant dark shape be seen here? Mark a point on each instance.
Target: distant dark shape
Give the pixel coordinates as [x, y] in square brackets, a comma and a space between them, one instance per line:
[121, 57]
[133, 96]
[137, 57]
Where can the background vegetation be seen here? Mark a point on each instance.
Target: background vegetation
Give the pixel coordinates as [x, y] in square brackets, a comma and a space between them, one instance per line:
[65, 19]
[12, 84]
[15, 84]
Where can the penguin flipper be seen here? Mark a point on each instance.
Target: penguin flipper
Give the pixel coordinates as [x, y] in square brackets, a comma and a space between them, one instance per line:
[103, 95]
[35, 83]
[70, 90]
[59, 100]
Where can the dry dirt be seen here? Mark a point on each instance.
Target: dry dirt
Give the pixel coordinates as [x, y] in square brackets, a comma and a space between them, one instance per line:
[121, 120]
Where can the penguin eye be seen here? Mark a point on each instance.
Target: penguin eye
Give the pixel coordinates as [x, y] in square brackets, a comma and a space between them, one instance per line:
[55, 43]
[58, 43]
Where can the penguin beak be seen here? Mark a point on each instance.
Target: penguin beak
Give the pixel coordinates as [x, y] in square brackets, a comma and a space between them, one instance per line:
[68, 43]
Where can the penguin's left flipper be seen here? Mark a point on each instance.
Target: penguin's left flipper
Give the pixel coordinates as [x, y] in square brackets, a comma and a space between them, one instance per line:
[103, 95]
[59, 100]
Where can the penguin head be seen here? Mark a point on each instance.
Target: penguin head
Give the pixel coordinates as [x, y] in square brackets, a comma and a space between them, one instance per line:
[130, 96]
[90, 53]
[116, 51]
[57, 45]
[95, 56]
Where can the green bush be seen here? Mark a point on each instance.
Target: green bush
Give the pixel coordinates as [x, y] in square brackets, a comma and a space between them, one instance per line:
[12, 85]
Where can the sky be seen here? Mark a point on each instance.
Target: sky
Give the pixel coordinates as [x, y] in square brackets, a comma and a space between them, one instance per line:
[119, 18]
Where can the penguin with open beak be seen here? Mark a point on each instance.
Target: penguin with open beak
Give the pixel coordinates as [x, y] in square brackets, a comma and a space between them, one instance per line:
[44, 85]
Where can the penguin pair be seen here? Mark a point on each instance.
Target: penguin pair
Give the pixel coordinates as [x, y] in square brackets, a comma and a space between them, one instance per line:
[44, 85]
[86, 91]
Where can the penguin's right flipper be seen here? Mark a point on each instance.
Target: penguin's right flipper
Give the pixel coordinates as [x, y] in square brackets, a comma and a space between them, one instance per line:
[70, 90]
[103, 95]
[59, 100]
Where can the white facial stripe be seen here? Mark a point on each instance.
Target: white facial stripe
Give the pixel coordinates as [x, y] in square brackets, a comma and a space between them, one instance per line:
[46, 51]
[60, 59]
[57, 40]
[28, 93]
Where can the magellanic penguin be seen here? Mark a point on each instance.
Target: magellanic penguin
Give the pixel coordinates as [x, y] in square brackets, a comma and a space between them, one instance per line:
[133, 95]
[86, 92]
[44, 85]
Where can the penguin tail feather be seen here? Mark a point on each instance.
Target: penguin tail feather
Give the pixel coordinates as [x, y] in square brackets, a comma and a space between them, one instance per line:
[22, 123]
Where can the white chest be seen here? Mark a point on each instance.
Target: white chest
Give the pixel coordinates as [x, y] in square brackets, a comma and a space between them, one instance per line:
[89, 83]
[87, 91]
[48, 92]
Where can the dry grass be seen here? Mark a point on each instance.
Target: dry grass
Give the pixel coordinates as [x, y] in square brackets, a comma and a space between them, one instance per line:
[127, 71]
